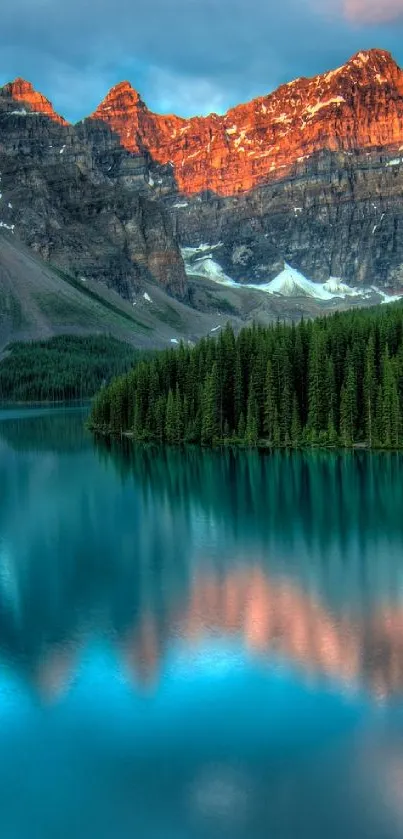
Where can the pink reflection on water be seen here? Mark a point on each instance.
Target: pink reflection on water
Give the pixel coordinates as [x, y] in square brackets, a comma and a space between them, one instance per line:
[272, 618]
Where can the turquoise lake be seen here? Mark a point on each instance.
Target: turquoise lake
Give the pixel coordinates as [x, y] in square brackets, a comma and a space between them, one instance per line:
[197, 644]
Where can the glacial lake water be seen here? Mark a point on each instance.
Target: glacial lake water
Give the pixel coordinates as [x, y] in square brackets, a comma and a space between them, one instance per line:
[195, 644]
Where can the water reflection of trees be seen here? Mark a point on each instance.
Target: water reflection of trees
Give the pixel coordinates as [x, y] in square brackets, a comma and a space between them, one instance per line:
[273, 488]
[325, 514]
[60, 432]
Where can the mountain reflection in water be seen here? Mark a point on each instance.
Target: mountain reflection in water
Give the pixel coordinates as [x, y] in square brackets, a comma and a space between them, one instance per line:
[271, 622]
[197, 644]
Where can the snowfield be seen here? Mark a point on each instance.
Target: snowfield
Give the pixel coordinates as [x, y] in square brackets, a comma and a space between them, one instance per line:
[291, 283]
[199, 262]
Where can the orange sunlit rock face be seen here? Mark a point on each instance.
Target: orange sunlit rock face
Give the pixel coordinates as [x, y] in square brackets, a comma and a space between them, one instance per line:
[22, 91]
[358, 106]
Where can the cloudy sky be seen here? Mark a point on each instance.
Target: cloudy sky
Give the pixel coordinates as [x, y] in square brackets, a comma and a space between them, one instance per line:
[185, 56]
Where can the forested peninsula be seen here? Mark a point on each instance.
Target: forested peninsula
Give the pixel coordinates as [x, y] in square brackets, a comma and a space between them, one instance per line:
[336, 381]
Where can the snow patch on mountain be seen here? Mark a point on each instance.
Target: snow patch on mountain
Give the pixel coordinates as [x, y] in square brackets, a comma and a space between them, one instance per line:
[291, 283]
[314, 109]
[387, 298]
[188, 253]
[207, 267]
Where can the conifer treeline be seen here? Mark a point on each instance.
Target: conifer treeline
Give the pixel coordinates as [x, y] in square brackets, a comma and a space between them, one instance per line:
[63, 368]
[335, 380]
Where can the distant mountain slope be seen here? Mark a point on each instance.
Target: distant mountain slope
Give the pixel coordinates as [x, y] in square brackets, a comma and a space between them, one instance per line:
[38, 301]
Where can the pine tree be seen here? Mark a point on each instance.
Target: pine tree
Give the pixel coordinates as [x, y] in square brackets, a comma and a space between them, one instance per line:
[295, 423]
[286, 412]
[396, 416]
[241, 427]
[370, 388]
[178, 417]
[170, 419]
[348, 408]
[379, 416]
[117, 407]
[276, 428]
[238, 388]
[317, 406]
[270, 402]
[138, 424]
[259, 380]
[299, 369]
[209, 407]
[252, 430]
[228, 376]
[331, 432]
[185, 417]
[391, 415]
[160, 415]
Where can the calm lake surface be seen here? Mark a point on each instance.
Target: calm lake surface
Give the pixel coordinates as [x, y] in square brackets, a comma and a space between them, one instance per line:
[197, 645]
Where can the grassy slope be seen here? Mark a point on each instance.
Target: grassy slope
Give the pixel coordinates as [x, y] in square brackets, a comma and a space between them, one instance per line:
[38, 301]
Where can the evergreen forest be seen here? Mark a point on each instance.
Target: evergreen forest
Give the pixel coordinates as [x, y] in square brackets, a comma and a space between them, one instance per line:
[63, 368]
[337, 381]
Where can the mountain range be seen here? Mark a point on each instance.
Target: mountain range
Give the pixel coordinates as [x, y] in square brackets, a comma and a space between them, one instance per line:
[288, 204]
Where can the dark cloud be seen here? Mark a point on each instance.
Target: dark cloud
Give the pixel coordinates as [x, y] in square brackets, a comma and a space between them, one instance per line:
[184, 55]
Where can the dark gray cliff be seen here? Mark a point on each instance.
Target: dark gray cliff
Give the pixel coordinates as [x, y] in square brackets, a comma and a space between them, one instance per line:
[337, 215]
[72, 194]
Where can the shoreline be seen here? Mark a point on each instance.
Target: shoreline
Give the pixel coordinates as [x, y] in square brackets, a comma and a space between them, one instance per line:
[38, 403]
[261, 446]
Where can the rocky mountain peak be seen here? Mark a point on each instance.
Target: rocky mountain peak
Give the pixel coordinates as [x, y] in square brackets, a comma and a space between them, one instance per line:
[23, 91]
[20, 86]
[121, 91]
[373, 59]
[120, 110]
[371, 67]
[354, 107]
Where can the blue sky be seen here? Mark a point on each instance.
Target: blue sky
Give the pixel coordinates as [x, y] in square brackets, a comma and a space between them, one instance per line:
[185, 56]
